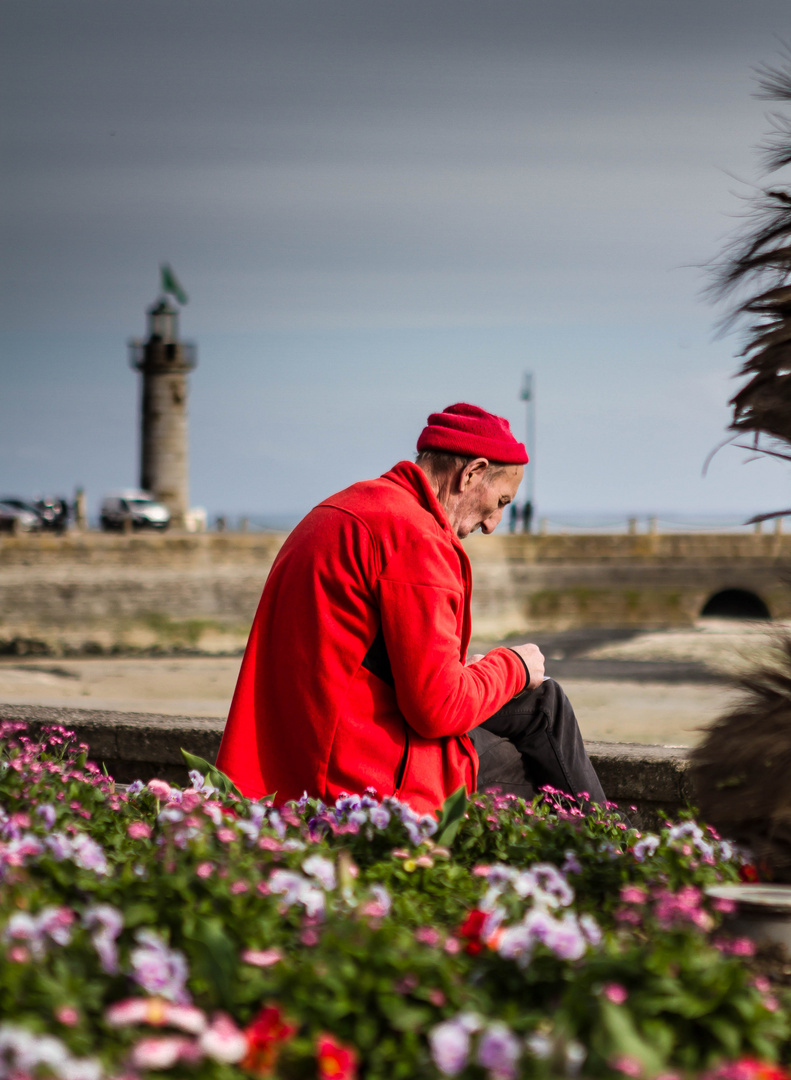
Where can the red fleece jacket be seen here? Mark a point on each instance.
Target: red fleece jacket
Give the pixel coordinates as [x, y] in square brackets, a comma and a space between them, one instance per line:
[354, 674]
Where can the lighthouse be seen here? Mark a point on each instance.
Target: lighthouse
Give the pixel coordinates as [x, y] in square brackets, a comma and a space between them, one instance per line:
[164, 363]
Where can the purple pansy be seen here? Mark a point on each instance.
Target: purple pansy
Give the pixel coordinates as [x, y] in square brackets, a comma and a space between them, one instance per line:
[498, 1052]
[158, 969]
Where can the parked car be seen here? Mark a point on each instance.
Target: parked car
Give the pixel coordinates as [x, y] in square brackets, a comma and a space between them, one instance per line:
[17, 516]
[133, 509]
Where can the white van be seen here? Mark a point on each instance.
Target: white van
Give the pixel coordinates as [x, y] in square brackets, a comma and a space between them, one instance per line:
[133, 509]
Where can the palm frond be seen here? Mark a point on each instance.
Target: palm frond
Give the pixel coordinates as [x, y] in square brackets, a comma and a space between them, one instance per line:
[741, 771]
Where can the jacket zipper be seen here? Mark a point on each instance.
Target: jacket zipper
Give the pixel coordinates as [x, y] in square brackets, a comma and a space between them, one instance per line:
[402, 763]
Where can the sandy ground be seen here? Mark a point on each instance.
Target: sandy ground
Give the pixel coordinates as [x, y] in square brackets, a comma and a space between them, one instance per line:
[620, 711]
[720, 644]
[194, 686]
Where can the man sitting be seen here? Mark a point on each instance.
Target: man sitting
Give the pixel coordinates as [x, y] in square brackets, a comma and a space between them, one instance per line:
[355, 673]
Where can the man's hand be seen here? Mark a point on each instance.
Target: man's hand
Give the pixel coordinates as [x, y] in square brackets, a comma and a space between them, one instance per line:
[534, 659]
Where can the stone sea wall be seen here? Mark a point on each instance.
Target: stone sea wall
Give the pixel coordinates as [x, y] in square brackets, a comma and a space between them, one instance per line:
[201, 590]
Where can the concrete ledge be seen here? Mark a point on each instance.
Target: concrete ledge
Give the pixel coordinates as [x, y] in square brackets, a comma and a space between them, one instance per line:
[131, 745]
[654, 779]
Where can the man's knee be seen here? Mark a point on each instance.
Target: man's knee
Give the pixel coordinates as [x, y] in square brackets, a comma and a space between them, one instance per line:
[497, 755]
[500, 764]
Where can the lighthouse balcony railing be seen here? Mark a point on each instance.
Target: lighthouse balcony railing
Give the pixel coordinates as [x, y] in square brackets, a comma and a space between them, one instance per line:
[185, 352]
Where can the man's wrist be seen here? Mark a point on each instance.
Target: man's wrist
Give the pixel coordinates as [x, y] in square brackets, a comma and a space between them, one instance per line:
[521, 660]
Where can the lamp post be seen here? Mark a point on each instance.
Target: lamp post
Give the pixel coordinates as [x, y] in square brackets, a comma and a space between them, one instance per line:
[528, 395]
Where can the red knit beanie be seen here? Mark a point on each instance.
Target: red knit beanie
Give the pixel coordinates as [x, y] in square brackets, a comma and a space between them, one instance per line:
[472, 432]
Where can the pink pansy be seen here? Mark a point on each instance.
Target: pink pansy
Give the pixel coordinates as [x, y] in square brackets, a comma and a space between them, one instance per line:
[239, 887]
[633, 894]
[372, 909]
[262, 957]
[741, 946]
[128, 1011]
[379, 904]
[186, 1018]
[190, 800]
[629, 1066]
[223, 1041]
[268, 843]
[67, 1015]
[139, 830]
[450, 1046]
[628, 916]
[226, 835]
[160, 789]
[615, 992]
[18, 954]
[204, 869]
[162, 1052]
[727, 907]
[427, 935]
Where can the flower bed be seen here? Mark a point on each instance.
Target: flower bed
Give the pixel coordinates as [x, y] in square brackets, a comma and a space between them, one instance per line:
[194, 933]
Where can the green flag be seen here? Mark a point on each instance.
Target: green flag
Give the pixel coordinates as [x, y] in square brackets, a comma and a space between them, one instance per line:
[170, 284]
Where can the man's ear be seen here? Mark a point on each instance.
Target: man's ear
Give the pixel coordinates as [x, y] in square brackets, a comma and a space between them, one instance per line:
[472, 473]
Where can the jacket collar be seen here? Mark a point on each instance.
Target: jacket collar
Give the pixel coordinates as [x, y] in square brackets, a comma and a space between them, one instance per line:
[410, 476]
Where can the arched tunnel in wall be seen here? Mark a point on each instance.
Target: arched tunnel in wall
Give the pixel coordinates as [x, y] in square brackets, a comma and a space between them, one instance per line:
[735, 604]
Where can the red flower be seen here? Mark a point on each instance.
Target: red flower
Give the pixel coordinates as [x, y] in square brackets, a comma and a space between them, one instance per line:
[749, 873]
[748, 1069]
[335, 1061]
[471, 929]
[265, 1035]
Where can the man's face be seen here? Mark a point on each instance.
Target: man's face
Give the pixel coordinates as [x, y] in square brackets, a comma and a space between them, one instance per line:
[481, 504]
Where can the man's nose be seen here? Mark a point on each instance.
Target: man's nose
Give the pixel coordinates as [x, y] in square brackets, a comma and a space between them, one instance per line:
[491, 522]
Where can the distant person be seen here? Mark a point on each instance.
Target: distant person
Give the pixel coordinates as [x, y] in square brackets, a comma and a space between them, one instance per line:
[513, 517]
[527, 517]
[61, 508]
[356, 674]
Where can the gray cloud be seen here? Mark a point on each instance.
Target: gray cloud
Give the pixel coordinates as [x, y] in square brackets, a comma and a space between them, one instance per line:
[368, 199]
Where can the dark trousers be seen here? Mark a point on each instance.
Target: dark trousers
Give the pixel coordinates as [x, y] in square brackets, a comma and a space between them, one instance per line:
[532, 741]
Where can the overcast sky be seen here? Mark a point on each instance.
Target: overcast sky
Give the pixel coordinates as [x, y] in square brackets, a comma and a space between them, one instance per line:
[379, 208]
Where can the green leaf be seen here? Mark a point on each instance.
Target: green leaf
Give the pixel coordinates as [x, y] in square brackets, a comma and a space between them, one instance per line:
[140, 914]
[627, 1040]
[726, 1033]
[215, 960]
[218, 779]
[451, 816]
[402, 1015]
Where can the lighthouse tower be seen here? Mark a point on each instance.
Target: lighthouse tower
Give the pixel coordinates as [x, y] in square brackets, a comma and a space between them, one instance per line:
[164, 362]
